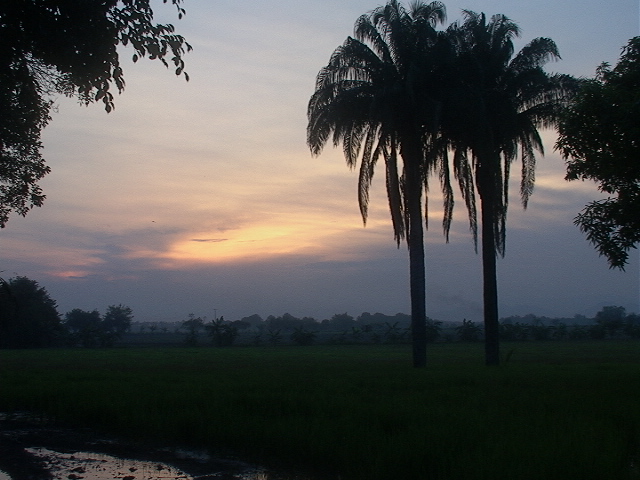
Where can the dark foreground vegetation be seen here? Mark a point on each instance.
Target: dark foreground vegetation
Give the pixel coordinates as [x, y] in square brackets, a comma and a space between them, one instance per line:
[554, 410]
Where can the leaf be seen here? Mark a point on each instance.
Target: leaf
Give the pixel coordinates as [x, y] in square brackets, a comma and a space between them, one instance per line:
[135, 58]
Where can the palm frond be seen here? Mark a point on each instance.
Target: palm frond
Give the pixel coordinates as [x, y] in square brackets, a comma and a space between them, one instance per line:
[351, 143]
[535, 55]
[463, 172]
[367, 168]
[438, 158]
[394, 192]
[366, 31]
[433, 13]
[528, 177]
[372, 88]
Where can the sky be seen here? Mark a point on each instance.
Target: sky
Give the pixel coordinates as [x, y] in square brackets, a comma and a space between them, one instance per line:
[202, 197]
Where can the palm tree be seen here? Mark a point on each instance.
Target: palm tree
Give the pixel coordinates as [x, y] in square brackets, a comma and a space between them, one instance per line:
[496, 102]
[374, 97]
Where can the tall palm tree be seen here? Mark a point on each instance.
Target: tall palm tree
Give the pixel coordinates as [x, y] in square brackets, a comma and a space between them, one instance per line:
[496, 103]
[374, 97]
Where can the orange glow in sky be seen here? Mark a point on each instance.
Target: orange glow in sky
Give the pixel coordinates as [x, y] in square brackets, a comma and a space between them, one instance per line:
[215, 174]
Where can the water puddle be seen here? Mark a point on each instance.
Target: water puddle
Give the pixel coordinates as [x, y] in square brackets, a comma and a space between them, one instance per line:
[94, 466]
[80, 465]
[97, 466]
[31, 449]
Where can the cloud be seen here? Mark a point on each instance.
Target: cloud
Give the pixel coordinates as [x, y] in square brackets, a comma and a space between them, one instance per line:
[200, 195]
[209, 240]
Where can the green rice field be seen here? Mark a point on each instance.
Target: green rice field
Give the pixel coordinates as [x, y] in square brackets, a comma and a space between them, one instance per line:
[557, 410]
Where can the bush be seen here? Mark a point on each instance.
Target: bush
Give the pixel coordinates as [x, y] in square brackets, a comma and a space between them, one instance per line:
[222, 333]
[469, 331]
[301, 336]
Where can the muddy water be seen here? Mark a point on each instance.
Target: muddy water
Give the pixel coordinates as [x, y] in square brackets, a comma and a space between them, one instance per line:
[96, 466]
[31, 452]
[84, 465]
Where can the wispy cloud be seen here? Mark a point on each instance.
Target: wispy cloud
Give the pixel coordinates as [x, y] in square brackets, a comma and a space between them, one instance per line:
[209, 240]
[201, 193]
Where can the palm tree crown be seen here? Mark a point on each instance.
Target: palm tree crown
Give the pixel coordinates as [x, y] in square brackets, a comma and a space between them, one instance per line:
[495, 105]
[374, 97]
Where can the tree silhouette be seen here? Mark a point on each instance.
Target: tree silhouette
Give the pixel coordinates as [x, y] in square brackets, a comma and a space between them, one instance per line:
[375, 97]
[84, 327]
[53, 47]
[193, 326]
[495, 104]
[28, 315]
[599, 138]
[117, 321]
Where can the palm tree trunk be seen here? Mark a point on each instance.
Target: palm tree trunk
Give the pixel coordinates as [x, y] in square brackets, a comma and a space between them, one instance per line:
[417, 279]
[490, 280]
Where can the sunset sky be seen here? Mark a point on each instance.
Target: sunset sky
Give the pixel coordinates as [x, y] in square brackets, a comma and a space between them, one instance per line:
[202, 196]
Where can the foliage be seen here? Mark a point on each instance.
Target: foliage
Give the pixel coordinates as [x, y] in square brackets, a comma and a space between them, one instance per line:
[600, 139]
[302, 336]
[253, 320]
[374, 98]
[388, 329]
[560, 331]
[494, 103]
[632, 325]
[434, 329]
[597, 332]
[392, 333]
[90, 329]
[274, 336]
[288, 322]
[469, 331]
[403, 93]
[28, 315]
[513, 331]
[366, 318]
[612, 319]
[193, 326]
[84, 327]
[65, 47]
[29, 319]
[610, 322]
[223, 333]
[117, 321]
[540, 331]
[339, 321]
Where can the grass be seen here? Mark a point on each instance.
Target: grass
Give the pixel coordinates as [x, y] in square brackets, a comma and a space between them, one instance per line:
[554, 411]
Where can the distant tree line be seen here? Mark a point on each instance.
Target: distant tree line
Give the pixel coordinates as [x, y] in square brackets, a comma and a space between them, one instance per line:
[29, 318]
[342, 328]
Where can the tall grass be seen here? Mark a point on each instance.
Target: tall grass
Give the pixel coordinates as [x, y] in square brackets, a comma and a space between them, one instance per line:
[554, 411]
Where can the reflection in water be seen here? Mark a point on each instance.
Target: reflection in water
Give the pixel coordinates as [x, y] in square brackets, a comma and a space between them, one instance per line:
[96, 466]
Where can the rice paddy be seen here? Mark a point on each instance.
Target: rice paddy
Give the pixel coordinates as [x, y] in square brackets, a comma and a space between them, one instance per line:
[556, 410]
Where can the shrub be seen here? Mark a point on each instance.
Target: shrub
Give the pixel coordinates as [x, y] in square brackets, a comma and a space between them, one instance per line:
[302, 336]
[469, 331]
